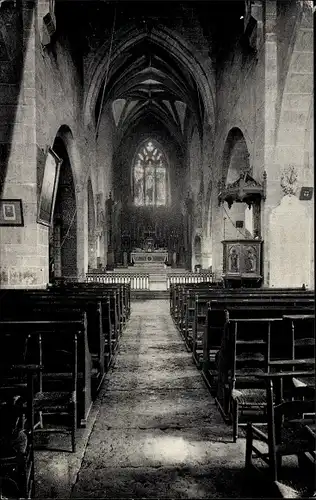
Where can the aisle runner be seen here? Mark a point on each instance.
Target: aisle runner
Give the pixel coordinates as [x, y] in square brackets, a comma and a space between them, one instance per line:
[158, 433]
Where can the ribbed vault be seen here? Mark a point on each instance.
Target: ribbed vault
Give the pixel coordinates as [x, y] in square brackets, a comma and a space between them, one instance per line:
[152, 72]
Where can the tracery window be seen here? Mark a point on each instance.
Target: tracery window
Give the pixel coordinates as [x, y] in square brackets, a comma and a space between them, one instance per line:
[150, 176]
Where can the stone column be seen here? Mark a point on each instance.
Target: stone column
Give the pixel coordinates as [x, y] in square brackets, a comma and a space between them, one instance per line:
[266, 121]
[217, 236]
[206, 252]
[288, 97]
[82, 232]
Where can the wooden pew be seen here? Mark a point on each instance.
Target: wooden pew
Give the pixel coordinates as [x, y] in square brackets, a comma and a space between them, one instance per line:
[55, 333]
[96, 300]
[105, 295]
[113, 291]
[278, 307]
[196, 300]
[177, 291]
[182, 297]
[202, 322]
[43, 305]
[112, 296]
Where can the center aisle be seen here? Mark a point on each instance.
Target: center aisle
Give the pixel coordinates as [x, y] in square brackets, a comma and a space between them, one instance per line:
[158, 432]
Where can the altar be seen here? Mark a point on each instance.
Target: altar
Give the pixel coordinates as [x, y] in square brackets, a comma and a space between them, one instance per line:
[154, 257]
[149, 254]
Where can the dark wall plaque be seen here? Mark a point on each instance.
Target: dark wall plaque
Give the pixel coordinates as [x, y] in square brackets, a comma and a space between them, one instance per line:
[306, 193]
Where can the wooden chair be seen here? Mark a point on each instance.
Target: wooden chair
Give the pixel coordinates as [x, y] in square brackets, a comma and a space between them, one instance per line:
[212, 339]
[56, 394]
[16, 433]
[249, 341]
[302, 344]
[290, 425]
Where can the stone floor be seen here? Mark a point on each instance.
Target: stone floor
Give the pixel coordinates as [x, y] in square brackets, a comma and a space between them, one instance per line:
[154, 431]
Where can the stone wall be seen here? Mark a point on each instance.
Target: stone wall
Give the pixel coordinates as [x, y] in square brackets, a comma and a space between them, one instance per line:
[268, 96]
[24, 255]
[58, 106]
[238, 105]
[48, 103]
[286, 158]
[12, 45]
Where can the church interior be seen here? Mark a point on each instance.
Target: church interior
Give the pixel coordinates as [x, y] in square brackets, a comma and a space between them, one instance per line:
[157, 249]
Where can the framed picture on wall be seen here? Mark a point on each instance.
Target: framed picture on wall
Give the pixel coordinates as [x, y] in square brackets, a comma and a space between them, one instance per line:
[49, 188]
[11, 213]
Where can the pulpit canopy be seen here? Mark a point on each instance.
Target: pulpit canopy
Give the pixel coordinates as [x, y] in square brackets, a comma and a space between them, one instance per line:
[245, 189]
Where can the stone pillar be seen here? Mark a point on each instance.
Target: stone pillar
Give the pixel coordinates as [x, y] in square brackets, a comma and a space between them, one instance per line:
[288, 97]
[206, 252]
[267, 89]
[217, 236]
[290, 260]
[82, 232]
[100, 230]
[11, 41]
[24, 250]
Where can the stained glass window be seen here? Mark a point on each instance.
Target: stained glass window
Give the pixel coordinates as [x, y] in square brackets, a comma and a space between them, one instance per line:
[150, 176]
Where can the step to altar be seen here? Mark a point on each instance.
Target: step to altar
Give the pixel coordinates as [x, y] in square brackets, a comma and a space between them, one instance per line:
[157, 281]
[150, 294]
[150, 269]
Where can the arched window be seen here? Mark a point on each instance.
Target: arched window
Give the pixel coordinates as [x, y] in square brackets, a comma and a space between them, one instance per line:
[150, 176]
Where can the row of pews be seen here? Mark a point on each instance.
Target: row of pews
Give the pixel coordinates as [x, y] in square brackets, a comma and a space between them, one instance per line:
[56, 346]
[255, 350]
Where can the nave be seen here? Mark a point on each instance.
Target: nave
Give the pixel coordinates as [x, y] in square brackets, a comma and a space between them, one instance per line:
[157, 432]
[124, 379]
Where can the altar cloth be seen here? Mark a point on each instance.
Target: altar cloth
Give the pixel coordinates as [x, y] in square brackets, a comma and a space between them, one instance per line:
[149, 257]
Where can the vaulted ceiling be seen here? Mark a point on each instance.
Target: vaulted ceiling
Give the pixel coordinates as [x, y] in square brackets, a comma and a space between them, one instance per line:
[149, 80]
[145, 79]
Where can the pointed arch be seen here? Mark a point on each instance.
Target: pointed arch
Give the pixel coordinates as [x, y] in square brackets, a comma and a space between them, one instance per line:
[63, 238]
[235, 155]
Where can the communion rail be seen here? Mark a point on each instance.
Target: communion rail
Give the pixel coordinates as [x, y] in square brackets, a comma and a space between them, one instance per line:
[137, 281]
[141, 281]
[179, 278]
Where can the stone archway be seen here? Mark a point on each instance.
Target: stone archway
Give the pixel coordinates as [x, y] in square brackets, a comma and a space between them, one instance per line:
[237, 221]
[235, 161]
[63, 233]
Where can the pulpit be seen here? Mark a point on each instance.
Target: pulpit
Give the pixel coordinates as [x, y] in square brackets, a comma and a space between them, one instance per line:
[242, 263]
